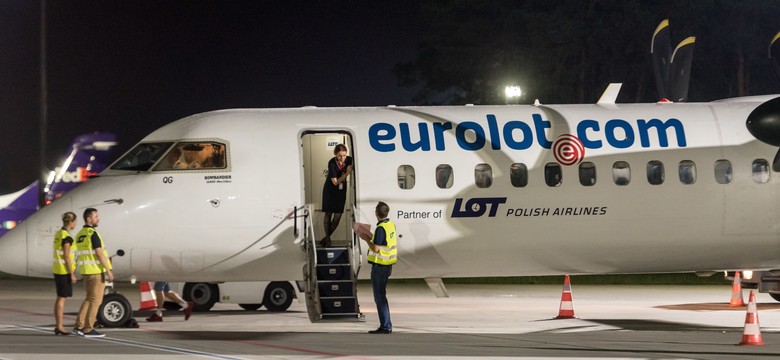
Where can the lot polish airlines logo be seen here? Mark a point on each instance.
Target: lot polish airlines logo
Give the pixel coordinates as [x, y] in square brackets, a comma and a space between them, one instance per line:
[569, 149]
[476, 207]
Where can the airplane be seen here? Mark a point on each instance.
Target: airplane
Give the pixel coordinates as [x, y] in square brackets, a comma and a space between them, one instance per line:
[475, 191]
[87, 156]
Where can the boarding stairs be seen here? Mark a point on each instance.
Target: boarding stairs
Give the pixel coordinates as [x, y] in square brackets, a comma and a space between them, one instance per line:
[331, 276]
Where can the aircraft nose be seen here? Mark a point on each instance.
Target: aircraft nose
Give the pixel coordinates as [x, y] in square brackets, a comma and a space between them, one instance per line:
[13, 251]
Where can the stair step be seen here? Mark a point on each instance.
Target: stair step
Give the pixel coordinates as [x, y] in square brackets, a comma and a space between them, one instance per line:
[335, 288]
[338, 305]
[333, 256]
[334, 272]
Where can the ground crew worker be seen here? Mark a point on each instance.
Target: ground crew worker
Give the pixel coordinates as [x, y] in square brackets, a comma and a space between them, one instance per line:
[63, 267]
[382, 255]
[95, 269]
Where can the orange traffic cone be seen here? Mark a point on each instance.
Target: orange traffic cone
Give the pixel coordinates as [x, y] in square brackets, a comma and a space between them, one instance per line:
[148, 299]
[752, 333]
[736, 292]
[566, 310]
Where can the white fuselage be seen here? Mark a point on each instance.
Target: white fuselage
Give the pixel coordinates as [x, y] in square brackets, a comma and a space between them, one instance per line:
[238, 223]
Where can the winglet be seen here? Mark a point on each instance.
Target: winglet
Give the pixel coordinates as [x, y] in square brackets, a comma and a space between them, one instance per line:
[610, 94]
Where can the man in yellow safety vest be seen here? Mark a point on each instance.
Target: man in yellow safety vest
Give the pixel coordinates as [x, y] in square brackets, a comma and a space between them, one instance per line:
[95, 269]
[382, 254]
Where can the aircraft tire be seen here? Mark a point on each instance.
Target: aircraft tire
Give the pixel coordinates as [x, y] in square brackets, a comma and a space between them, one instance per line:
[278, 296]
[114, 311]
[203, 295]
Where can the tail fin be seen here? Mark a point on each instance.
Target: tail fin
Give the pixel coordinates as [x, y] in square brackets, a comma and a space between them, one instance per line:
[17, 206]
[88, 155]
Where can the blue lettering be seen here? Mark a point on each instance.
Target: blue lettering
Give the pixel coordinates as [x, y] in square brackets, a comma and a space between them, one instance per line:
[583, 135]
[479, 132]
[541, 136]
[627, 140]
[519, 135]
[375, 138]
[424, 143]
[438, 134]
[509, 139]
[660, 128]
[495, 140]
[476, 207]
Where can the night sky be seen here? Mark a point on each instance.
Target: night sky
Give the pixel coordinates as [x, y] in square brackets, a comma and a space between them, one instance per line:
[129, 67]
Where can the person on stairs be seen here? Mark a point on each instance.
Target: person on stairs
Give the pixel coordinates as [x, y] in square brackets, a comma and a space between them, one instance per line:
[334, 191]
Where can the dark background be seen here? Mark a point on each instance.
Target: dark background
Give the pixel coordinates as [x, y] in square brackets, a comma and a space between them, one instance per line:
[129, 67]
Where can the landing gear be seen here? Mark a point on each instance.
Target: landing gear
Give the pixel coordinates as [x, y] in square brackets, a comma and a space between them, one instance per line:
[115, 310]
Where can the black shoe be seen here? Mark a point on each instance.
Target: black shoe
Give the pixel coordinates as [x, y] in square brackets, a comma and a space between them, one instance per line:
[60, 332]
[94, 334]
[78, 332]
[325, 242]
[380, 331]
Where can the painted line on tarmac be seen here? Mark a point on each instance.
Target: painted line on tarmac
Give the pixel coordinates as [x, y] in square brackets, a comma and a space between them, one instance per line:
[301, 350]
[145, 345]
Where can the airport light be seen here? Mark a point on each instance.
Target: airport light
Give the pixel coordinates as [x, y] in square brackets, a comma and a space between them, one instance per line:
[513, 93]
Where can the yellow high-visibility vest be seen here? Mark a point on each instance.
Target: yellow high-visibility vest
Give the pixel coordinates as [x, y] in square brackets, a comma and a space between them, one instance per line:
[388, 254]
[58, 265]
[88, 261]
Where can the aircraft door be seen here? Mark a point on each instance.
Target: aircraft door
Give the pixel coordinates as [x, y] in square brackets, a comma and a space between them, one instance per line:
[317, 150]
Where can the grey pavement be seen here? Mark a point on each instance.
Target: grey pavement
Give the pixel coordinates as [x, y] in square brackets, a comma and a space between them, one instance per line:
[477, 321]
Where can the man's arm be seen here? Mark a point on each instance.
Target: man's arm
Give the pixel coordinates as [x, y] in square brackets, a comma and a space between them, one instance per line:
[104, 261]
[102, 257]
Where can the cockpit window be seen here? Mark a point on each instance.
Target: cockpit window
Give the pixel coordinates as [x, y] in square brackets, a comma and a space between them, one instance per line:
[194, 155]
[142, 156]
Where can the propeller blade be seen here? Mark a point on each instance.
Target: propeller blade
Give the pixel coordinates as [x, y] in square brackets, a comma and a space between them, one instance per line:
[682, 59]
[661, 51]
[774, 54]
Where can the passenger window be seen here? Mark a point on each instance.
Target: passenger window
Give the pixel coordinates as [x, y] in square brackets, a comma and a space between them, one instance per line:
[406, 177]
[193, 156]
[444, 176]
[483, 175]
[588, 173]
[142, 156]
[621, 173]
[552, 174]
[655, 172]
[518, 175]
[723, 172]
[687, 171]
[760, 171]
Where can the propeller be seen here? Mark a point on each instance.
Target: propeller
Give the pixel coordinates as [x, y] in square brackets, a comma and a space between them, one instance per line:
[672, 69]
[764, 124]
[774, 49]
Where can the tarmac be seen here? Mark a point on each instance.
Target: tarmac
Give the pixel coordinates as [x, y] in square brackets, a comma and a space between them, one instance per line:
[476, 321]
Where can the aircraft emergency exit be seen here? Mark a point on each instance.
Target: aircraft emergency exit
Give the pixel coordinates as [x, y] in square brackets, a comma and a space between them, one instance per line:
[475, 191]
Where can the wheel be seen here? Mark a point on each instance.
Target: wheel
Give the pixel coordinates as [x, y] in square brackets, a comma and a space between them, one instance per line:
[114, 311]
[278, 296]
[775, 296]
[250, 307]
[202, 295]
